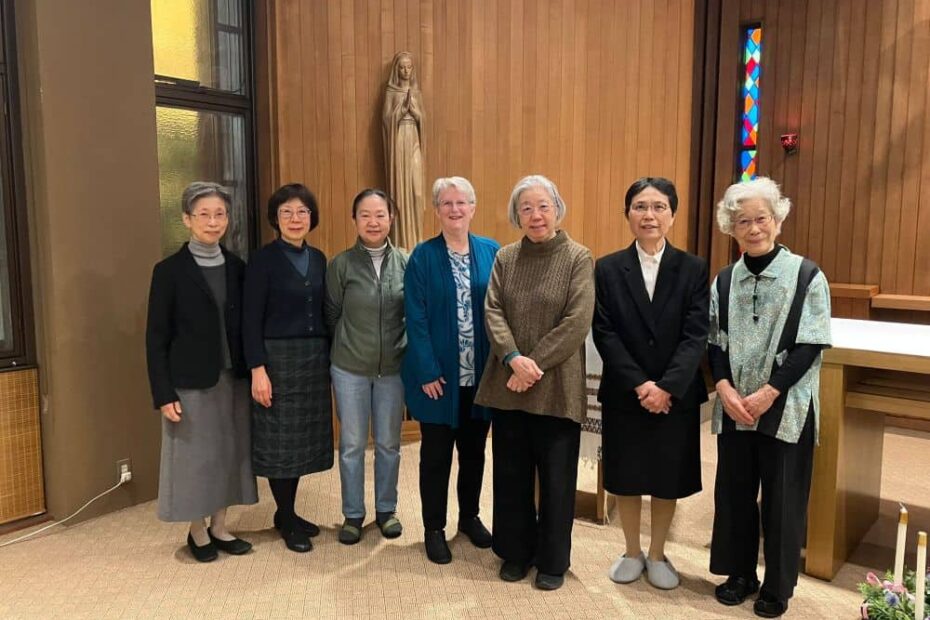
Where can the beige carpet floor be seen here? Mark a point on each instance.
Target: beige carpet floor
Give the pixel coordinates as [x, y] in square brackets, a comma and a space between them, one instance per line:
[130, 565]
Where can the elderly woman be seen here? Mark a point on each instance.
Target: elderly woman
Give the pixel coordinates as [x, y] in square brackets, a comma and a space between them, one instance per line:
[650, 327]
[287, 349]
[196, 371]
[538, 311]
[447, 348]
[365, 314]
[769, 321]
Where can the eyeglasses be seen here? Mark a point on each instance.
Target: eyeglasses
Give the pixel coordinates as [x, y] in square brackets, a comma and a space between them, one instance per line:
[208, 217]
[641, 207]
[528, 210]
[448, 204]
[745, 223]
[300, 214]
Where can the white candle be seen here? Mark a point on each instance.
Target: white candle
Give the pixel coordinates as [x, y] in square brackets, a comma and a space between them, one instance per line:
[899, 548]
[921, 577]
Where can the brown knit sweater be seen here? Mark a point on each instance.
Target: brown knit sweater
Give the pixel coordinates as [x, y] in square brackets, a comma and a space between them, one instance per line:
[540, 302]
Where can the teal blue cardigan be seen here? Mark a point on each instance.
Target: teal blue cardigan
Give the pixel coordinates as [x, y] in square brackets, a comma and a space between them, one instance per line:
[432, 327]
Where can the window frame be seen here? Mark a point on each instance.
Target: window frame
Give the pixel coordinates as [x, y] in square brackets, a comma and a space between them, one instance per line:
[180, 93]
[14, 208]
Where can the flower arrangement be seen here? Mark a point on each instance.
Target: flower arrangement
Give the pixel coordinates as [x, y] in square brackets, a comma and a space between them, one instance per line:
[885, 600]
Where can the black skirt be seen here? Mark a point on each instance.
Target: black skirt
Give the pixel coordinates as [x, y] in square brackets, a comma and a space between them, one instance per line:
[295, 435]
[652, 454]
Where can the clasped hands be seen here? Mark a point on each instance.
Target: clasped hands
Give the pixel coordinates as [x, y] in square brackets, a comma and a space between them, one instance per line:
[652, 398]
[746, 410]
[525, 374]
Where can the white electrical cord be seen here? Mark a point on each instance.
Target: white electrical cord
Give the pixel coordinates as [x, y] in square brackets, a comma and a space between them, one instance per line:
[51, 525]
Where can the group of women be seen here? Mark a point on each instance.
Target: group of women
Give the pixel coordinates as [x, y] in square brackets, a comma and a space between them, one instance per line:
[467, 335]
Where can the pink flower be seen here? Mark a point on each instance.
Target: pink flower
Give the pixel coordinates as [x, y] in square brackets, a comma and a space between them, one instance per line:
[873, 580]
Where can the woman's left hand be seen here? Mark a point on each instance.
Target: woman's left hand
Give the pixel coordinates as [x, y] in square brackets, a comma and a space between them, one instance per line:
[515, 384]
[760, 401]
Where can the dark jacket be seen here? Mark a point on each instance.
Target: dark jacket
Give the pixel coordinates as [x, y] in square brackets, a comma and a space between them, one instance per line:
[279, 302]
[431, 308]
[182, 340]
[662, 340]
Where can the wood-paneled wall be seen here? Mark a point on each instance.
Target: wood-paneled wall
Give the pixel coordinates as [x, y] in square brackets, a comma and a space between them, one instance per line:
[591, 93]
[851, 78]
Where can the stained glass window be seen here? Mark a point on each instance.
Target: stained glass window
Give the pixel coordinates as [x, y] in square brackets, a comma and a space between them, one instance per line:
[749, 122]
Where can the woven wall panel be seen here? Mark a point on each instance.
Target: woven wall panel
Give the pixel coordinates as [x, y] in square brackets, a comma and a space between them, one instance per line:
[21, 489]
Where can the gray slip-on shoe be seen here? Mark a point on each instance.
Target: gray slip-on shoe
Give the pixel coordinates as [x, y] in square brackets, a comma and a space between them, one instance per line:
[662, 574]
[626, 569]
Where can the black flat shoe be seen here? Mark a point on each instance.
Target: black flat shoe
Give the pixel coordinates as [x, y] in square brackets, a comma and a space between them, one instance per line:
[236, 546]
[206, 553]
[513, 571]
[311, 529]
[437, 549]
[767, 606]
[474, 529]
[735, 590]
[296, 540]
[549, 582]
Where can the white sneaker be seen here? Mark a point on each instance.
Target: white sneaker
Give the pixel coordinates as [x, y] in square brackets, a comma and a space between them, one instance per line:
[662, 574]
[627, 570]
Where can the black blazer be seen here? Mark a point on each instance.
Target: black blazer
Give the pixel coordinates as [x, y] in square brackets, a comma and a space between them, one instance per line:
[182, 341]
[662, 340]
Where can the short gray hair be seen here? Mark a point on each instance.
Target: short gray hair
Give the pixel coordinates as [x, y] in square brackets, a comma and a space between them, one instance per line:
[459, 183]
[763, 188]
[203, 189]
[529, 182]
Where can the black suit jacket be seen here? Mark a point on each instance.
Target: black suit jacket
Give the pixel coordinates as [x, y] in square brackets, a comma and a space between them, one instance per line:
[182, 339]
[662, 340]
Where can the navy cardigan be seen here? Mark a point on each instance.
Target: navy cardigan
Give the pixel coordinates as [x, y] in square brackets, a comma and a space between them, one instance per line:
[432, 327]
[279, 302]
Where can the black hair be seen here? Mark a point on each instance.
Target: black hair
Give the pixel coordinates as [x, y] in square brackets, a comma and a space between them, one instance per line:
[661, 184]
[289, 192]
[365, 193]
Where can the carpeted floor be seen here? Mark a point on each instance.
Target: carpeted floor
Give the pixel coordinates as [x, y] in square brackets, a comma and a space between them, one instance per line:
[130, 565]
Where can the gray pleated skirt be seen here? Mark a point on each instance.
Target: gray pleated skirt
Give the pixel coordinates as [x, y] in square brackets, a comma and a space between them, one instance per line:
[206, 461]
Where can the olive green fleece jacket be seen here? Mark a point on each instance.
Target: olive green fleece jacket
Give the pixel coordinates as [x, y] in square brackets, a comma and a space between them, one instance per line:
[365, 313]
[540, 302]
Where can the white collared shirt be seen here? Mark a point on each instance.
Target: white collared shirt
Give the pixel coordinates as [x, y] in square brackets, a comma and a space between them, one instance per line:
[649, 263]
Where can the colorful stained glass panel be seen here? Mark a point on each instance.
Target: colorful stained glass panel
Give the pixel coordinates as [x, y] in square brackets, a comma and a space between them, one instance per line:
[749, 123]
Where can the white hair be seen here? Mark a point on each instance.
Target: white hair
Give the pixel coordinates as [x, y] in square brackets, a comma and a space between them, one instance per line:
[762, 188]
[529, 182]
[460, 183]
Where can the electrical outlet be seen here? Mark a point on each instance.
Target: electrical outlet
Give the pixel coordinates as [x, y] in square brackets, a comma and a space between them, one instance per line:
[124, 470]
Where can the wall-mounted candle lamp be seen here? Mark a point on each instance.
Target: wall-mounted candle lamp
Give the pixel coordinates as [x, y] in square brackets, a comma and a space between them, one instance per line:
[789, 142]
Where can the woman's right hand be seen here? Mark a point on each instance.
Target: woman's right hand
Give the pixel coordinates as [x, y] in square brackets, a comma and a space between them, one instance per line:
[433, 389]
[733, 403]
[526, 370]
[261, 386]
[172, 411]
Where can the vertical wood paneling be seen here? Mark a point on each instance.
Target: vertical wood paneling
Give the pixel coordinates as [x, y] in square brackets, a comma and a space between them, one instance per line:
[591, 93]
[852, 78]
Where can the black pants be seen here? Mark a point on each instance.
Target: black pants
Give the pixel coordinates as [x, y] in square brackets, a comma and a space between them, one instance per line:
[436, 442]
[744, 460]
[523, 445]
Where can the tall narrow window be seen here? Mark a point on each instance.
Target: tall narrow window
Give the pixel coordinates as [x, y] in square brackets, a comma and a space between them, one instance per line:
[749, 121]
[204, 110]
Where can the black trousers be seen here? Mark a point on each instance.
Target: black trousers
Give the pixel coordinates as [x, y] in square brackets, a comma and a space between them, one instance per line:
[436, 442]
[744, 460]
[523, 445]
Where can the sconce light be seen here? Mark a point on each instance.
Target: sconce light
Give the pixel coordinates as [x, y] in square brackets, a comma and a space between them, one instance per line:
[789, 142]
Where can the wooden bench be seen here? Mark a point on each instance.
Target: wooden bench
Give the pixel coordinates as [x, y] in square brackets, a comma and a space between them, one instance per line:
[902, 302]
[852, 301]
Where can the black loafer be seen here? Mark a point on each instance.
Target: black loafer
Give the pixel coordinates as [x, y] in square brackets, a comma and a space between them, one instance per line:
[296, 540]
[206, 553]
[513, 571]
[437, 549]
[474, 529]
[236, 546]
[549, 582]
[767, 606]
[735, 590]
[311, 529]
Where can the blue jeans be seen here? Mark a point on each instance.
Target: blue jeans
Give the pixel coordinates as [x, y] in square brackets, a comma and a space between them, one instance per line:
[362, 400]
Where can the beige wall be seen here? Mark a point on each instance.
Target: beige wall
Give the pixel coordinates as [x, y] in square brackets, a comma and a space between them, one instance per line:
[92, 192]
